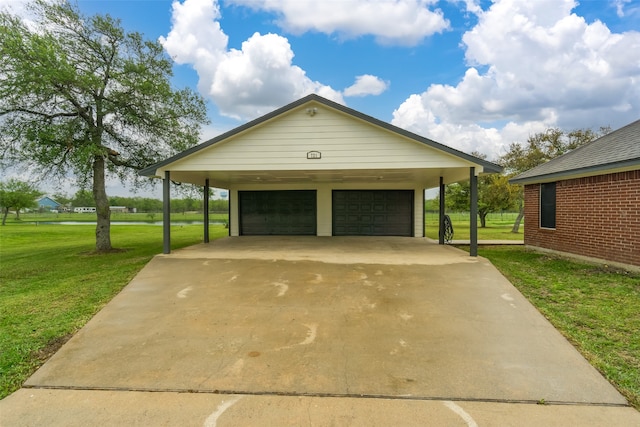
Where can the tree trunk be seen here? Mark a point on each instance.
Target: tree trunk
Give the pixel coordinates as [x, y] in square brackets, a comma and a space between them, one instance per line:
[103, 213]
[516, 225]
[483, 219]
[4, 217]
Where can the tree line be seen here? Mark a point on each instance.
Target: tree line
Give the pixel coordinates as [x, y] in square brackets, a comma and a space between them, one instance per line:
[17, 196]
[143, 204]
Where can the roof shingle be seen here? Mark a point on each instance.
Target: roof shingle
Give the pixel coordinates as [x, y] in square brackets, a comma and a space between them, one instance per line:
[616, 150]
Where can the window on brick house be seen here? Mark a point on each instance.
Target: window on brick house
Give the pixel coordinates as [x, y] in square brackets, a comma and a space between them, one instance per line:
[548, 205]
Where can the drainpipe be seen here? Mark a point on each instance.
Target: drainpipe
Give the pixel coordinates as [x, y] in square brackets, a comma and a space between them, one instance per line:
[473, 213]
[166, 213]
[441, 220]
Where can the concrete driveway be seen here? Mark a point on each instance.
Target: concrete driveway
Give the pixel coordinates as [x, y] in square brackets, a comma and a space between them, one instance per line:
[318, 331]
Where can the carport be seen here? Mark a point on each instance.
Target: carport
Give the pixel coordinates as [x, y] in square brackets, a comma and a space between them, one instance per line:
[316, 167]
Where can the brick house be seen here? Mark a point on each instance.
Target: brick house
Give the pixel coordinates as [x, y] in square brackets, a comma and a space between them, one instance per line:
[586, 203]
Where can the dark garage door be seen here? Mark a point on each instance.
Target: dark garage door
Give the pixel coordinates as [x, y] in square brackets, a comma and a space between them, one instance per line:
[277, 212]
[373, 213]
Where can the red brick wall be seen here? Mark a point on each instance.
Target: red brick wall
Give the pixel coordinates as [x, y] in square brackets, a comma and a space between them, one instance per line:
[597, 216]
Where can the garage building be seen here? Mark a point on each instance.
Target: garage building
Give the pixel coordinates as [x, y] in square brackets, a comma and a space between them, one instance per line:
[316, 167]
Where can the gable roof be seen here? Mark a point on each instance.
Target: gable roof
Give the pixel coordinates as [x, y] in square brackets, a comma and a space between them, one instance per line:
[616, 151]
[48, 201]
[488, 167]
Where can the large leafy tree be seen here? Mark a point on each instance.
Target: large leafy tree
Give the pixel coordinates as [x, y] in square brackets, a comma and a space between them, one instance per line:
[494, 194]
[540, 148]
[18, 195]
[80, 95]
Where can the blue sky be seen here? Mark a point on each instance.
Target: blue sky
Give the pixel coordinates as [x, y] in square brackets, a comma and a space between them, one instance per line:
[476, 75]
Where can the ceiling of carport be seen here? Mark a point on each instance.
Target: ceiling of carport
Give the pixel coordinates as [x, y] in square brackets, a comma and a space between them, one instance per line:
[426, 178]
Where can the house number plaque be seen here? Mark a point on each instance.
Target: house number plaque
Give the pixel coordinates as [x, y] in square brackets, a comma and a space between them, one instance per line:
[314, 155]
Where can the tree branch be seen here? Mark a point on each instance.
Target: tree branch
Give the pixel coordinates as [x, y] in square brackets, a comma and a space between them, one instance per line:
[114, 158]
[38, 113]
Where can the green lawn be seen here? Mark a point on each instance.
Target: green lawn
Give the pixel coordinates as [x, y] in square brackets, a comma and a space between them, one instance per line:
[596, 308]
[498, 226]
[51, 284]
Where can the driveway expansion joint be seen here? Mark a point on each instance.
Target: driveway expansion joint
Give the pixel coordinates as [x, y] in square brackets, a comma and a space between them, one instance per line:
[324, 395]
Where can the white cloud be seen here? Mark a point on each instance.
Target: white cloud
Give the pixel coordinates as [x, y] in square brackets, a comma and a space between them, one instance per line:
[243, 83]
[258, 78]
[532, 65]
[366, 85]
[404, 22]
[472, 6]
[469, 137]
[620, 5]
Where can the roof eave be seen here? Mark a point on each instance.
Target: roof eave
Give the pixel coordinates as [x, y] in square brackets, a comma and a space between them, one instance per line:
[630, 164]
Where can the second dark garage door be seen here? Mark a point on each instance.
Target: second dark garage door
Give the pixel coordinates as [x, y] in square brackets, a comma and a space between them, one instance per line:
[277, 212]
[373, 213]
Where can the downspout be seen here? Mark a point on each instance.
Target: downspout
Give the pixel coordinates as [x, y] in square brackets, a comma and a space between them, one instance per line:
[166, 213]
[206, 210]
[441, 220]
[473, 213]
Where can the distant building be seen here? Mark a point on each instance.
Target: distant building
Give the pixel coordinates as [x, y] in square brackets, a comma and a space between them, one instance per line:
[47, 203]
[122, 209]
[84, 209]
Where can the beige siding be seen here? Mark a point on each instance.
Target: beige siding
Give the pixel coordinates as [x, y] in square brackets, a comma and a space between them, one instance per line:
[234, 211]
[325, 206]
[345, 143]
[418, 212]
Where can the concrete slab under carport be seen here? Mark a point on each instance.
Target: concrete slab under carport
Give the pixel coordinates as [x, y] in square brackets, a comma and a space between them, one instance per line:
[264, 328]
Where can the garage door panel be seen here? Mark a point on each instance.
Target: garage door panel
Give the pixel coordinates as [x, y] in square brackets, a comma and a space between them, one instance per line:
[277, 212]
[379, 219]
[373, 212]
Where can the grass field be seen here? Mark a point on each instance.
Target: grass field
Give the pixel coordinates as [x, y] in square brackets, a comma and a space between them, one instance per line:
[498, 226]
[51, 285]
